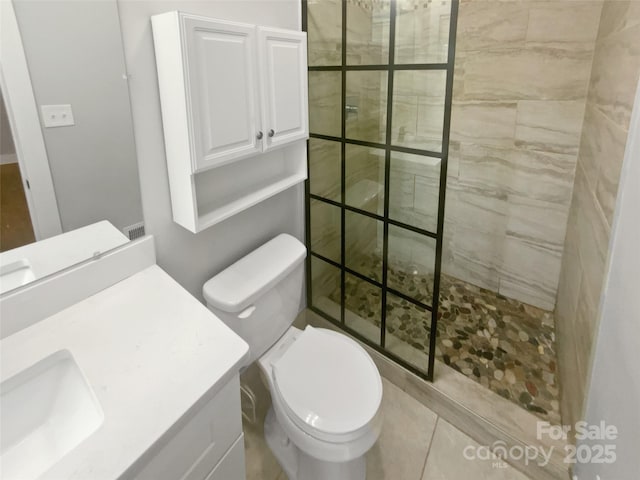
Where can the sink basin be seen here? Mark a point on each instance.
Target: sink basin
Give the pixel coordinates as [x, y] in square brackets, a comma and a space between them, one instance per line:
[46, 410]
[15, 274]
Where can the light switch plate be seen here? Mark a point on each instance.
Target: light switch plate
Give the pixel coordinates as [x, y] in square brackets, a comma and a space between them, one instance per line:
[57, 115]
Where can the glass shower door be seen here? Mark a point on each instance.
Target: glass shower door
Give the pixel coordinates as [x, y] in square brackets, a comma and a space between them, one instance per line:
[380, 87]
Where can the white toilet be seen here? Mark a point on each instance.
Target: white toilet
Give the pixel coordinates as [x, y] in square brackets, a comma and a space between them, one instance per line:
[326, 391]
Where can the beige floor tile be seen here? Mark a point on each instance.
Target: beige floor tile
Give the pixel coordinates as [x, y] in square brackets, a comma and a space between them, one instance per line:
[446, 460]
[260, 462]
[401, 449]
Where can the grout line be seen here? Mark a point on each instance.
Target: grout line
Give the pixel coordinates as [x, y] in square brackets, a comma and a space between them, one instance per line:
[426, 458]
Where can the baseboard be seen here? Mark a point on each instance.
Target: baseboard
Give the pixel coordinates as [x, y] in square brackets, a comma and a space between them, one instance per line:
[7, 158]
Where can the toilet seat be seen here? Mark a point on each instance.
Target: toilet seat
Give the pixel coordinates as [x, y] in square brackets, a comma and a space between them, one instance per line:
[328, 385]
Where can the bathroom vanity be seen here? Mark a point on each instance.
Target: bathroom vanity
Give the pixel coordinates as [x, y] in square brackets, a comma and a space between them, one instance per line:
[137, 380]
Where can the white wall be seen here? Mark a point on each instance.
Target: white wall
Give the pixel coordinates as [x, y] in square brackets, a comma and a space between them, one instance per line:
[614, 392]
[74, 54]
[192, 259]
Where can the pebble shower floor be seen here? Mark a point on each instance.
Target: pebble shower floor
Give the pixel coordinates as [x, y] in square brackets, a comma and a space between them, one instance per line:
[503, 344]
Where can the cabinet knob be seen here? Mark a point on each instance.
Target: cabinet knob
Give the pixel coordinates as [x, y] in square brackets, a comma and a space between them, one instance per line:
[259, 136]
[271, 133]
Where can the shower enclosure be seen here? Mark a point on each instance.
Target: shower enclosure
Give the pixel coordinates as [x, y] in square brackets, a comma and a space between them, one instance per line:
[388, 262]
[380, 90]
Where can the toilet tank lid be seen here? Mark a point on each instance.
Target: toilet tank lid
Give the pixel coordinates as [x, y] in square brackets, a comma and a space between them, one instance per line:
[240, 284]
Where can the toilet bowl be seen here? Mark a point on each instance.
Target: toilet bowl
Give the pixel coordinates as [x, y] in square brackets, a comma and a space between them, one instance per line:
[326, 394]
[326, 391]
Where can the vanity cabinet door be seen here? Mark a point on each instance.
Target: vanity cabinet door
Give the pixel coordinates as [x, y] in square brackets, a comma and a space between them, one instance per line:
[283, 82]
[222, 90]
[198, 444]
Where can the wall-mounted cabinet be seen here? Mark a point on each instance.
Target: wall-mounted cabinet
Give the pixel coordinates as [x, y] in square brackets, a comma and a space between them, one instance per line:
[232, 95]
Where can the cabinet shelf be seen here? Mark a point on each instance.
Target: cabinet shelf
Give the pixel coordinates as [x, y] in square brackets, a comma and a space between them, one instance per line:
[214, 213]
[225, 191]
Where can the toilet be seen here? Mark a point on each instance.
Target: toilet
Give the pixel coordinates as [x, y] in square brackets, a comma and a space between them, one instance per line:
[326, 391]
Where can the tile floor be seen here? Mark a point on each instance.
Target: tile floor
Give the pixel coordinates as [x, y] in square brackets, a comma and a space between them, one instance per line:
[501, 343]
[415, 444]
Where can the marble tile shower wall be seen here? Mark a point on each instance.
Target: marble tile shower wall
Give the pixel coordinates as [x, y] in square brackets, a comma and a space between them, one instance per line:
[614, 79]
[521, 77]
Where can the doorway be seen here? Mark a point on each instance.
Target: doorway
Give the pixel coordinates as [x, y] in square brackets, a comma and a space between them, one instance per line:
[16, 228]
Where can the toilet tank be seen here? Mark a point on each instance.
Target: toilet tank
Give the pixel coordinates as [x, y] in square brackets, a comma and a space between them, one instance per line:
[259, 296]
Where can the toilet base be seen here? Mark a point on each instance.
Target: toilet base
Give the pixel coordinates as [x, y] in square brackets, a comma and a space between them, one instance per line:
[298, 465]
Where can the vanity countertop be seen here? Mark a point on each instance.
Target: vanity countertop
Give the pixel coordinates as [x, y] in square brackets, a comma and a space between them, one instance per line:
[149, 351]
[48, 256]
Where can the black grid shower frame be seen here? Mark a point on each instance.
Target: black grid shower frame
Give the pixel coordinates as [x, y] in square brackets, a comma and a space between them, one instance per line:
[388, 148]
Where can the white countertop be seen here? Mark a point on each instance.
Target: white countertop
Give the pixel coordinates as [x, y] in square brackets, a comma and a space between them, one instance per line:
[148, 349]
[53, 254]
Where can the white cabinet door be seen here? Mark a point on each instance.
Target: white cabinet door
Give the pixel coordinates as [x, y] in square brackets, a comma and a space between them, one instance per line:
[222, 90]
[283, 81]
